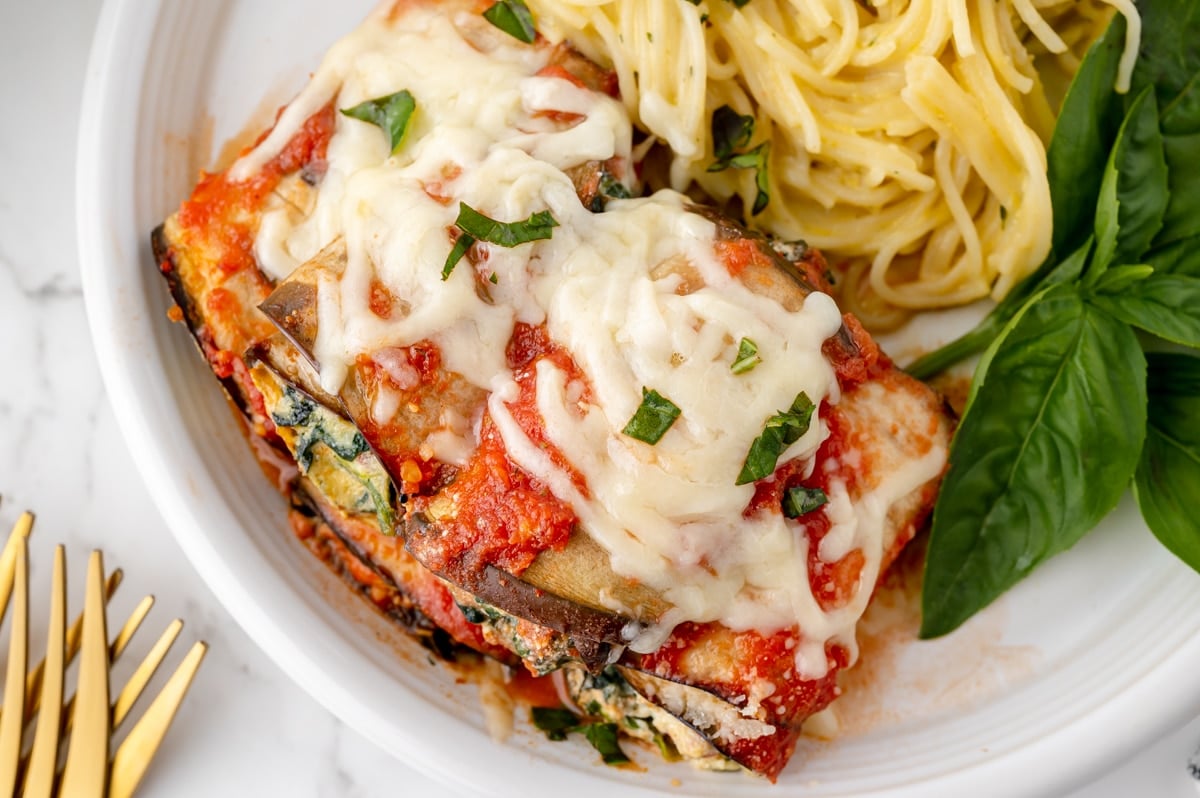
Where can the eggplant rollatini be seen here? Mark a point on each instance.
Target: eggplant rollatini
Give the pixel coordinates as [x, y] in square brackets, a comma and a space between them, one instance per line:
[528, 411]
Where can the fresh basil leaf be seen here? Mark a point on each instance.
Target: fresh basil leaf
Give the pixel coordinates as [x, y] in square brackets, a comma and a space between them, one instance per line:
[1165, 305]
[1087, 125]
[1133, 192]
[779, 432]
[1044, 451]
[391, 114]
[603, 737]
[730, 131]
[1168, 58]
[537, 227]
[1119, 278]
[1178, 257]
[555, 722]
[1170, 62]
[514, 18]
[1181, 146]
[461, 246]
[747, 357]
[799, 500]
[987, 331]
[1167, 483]
[653, 418]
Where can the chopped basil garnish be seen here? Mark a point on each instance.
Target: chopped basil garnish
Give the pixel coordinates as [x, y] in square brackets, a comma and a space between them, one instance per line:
[611, 187]
[653, 418]
[477, 227]
[781, 431]
[730, 131]
[461, 246]
[747, 357]
[493, 279]
[800, 501]
[557, 723]
[537, 227]
[514, 18]
[753, 159]
[391, 114]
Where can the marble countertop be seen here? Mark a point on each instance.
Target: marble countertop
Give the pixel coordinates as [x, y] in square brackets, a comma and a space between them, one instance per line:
[246, 729]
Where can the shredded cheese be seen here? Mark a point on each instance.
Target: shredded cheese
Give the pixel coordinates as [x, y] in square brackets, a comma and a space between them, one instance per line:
[636, 295]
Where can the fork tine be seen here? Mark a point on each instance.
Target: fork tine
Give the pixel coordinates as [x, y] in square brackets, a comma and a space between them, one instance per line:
[87, 756]
[135, 753]
[8, 557]
[118, 646]
[43, 759]
[34, 681]
[145, 672]
[12, 723]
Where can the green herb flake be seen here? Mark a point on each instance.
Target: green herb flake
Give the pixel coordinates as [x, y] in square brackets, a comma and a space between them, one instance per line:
[747, 357]
[653, 418]
[537, 227]
[493, 279]
[603, 737]
[554, 722]
[514, 18]
[613, 188]
[730, 132]
[461, 246]
[800, 501]
[391, 114]
[751, 159]
[781, 431]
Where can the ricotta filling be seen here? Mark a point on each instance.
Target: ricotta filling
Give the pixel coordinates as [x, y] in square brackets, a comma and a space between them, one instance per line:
[669, 514]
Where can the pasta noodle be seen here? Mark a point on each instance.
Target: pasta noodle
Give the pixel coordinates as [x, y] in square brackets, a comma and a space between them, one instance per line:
[907, 138]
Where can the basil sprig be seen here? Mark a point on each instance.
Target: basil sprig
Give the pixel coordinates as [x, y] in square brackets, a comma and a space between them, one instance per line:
[781, 431]
[391, 114]
[747, 357]
[653, 418]
[1061, 416]
[557, 723]
[731, 132]
[514, 18]
[477, 227]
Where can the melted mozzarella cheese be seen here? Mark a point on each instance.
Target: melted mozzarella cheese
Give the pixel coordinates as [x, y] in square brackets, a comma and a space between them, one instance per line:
[610, 288]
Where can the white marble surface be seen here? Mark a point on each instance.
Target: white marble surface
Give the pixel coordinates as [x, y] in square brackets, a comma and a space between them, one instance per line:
[245, 729]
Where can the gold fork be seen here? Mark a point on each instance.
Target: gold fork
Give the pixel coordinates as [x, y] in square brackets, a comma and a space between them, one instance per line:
[85, 723]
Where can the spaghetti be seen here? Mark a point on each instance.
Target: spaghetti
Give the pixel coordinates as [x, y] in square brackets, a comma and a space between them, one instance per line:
[907, 140]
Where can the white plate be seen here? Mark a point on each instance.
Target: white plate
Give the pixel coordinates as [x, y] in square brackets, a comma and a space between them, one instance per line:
[1091, 658]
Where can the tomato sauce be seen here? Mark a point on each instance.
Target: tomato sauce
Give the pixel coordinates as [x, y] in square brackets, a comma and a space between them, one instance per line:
[502, 516]
[528, 346]
[219, 216]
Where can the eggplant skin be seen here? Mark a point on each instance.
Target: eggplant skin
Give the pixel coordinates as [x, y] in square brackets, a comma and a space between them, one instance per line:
[321, 532]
